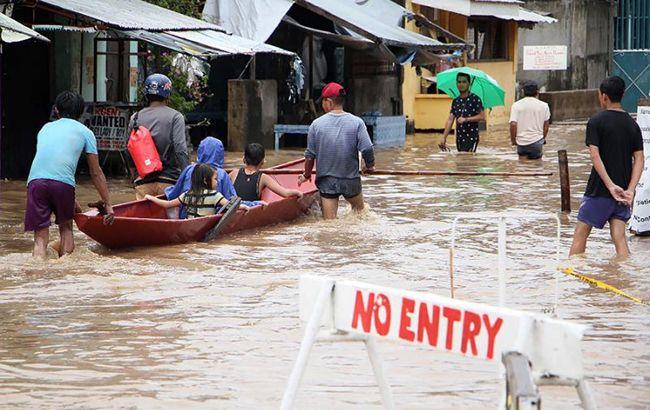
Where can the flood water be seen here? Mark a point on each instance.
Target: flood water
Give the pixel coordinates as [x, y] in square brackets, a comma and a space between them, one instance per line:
[216, 325]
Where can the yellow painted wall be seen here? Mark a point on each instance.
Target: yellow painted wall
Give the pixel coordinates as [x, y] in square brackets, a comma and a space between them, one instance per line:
[431, 111]
[428, 110]
[505, 72]
[411, 81]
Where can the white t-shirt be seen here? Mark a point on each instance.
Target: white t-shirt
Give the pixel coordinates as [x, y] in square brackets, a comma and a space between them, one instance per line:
[529, 113]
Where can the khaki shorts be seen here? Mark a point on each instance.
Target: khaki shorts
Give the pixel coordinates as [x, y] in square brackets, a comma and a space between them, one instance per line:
[153, 188]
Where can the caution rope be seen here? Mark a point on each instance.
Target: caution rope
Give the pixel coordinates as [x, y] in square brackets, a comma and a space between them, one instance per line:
[602, 285]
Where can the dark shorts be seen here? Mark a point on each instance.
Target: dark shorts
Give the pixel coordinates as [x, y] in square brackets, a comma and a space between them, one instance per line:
[466, 144]
[44, 197]
[332, 187]
[532, 151]
[596, 211]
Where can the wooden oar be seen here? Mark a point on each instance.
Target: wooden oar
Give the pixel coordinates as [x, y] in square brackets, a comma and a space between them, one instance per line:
[271, 171]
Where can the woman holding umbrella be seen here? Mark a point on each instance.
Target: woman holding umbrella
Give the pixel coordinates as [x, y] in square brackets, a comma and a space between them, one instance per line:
[473, 90]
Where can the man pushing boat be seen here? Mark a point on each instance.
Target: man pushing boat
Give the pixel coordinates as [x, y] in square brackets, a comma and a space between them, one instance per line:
[334, 142]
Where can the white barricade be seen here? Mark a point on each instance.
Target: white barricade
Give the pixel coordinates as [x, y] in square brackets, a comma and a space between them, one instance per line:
[360, 311]
[500, 218]
[640, 222]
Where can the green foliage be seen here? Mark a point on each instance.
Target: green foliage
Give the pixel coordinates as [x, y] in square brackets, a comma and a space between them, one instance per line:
[184, 98]
[192, 8]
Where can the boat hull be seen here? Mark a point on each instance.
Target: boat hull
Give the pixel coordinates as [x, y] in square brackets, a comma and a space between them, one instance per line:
[143, 223]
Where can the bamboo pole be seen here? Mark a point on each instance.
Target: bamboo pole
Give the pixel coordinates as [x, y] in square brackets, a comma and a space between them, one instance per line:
[284, 171]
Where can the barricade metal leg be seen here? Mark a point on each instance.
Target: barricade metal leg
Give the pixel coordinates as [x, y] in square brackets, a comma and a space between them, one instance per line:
[521, 391]
[586, 398]
[384, 387]
[582, 387]
[502, 261]
[308, 340]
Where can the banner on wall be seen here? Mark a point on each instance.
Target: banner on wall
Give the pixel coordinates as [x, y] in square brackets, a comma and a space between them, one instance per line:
[545, 58]
[640, 222]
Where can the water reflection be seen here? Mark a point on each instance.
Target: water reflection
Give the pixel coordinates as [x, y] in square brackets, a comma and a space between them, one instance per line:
[215, 325]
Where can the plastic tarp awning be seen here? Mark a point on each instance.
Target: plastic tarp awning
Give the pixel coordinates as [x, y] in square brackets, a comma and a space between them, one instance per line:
[357, 42]
[374, 19]
[378, 21]
[502, 9]
[12, 31]
[203, 43]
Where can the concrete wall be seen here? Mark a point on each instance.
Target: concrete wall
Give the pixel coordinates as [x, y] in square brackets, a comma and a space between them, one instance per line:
[585, 27]
[373, 84]
[571, 105]
[252, 112]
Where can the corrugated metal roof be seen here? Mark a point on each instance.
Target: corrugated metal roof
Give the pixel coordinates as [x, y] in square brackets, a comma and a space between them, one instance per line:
[501, 9]
[228, 43]
[356, 17]
[528, 16]
[13, 31]
[203, 43]
[132, 15]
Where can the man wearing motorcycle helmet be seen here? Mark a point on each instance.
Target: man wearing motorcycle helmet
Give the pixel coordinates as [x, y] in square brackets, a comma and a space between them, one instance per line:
[167, 128]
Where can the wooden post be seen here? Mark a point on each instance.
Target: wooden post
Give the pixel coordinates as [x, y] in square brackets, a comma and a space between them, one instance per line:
[565, 188]
[311, 66]
[253, 67]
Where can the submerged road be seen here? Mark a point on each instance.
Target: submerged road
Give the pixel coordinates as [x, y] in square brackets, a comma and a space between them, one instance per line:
[216, 325]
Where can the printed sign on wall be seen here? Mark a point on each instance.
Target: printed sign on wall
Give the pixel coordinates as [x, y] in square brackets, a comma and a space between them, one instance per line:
[109, 124]
[545, 57]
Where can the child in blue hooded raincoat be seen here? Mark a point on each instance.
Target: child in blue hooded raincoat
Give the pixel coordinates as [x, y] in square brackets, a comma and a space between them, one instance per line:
[210, 152]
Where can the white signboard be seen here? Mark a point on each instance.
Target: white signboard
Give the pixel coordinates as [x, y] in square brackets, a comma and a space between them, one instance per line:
[640, 222]
[436, 322]
[545, 57]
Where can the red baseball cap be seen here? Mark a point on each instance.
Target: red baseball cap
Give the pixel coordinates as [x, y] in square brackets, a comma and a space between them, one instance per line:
[332, 90]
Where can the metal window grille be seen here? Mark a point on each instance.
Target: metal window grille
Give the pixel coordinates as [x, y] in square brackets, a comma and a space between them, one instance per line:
[632, 25]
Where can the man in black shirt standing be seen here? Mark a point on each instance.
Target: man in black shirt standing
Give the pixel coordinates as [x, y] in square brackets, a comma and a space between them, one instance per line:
[467, 111]
[616, 149]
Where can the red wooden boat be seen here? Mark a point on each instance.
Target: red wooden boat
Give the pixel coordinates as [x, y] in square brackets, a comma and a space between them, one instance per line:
[143, 223]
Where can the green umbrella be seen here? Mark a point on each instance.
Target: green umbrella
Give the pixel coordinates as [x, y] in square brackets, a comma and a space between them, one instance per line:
[486, 87]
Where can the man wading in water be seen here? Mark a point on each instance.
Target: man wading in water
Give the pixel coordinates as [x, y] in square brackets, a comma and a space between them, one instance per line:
[616, 149]
[51, 183]
[334, 142]
[467, 111]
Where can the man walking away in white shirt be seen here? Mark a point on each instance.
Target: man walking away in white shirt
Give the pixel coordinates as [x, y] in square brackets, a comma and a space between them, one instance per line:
[529, 119]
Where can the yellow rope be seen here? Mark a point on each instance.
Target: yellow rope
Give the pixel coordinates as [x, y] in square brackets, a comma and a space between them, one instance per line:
[602, 285]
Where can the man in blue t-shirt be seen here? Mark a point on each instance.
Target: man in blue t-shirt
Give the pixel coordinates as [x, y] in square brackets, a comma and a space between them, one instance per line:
[51, 182]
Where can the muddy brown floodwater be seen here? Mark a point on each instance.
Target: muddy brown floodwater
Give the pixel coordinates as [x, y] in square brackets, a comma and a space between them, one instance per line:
[216, 325]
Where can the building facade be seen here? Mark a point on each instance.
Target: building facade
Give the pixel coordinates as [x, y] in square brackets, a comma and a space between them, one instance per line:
[492, 27]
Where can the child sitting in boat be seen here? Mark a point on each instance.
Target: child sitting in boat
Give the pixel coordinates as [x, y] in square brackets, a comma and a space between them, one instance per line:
[202, 199]
[249, 181]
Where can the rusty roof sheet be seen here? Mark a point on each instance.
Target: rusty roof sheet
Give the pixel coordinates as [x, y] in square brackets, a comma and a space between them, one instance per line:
[132, 15]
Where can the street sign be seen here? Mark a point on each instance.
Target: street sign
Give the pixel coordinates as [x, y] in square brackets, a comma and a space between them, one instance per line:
[436, 322]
